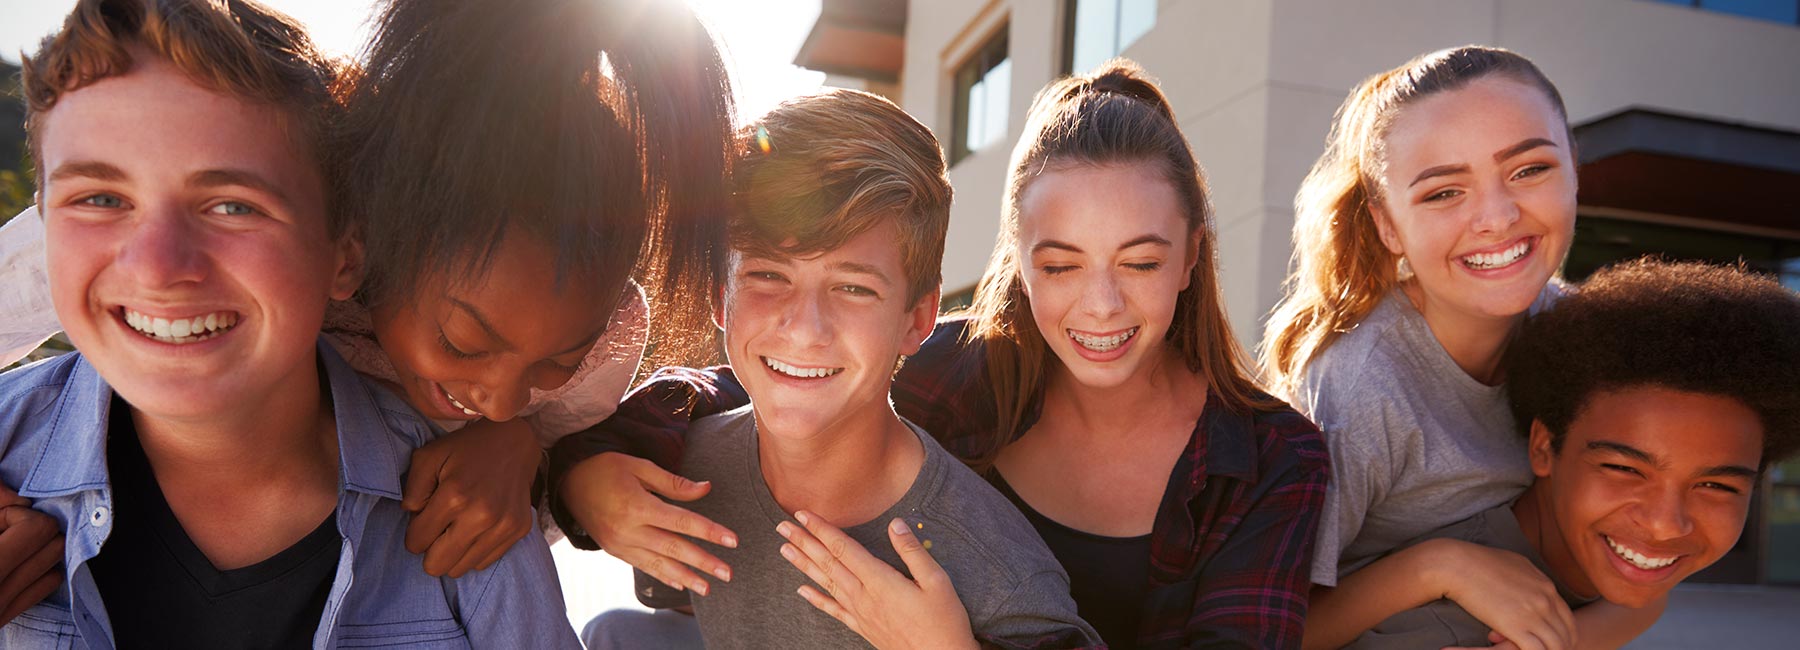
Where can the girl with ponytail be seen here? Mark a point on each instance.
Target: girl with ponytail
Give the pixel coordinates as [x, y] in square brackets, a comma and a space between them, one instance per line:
[1436, 219]
[1095, 383]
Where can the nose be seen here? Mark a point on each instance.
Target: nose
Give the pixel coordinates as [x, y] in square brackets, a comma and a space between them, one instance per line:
[503, 393]
[1497, 212]
[1662, 512]
[163, 248]
[1101, 297]
[803, 321]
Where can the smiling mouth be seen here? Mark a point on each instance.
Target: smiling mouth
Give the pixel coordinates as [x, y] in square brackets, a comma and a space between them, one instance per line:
[181, 331]
[1637, 559]
[798, 372]
[1502, 259]
[1102, 343]
[466, 410]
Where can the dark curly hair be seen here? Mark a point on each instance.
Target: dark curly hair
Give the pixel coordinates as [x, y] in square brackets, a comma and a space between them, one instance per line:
[1717, 330]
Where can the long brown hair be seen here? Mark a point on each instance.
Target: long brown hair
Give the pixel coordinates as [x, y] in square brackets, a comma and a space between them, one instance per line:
[601, 127]
[1115, 114]
[1341, 269]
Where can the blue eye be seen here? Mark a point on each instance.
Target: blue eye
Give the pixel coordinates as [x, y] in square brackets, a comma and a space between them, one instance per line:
[104, 201]
[232, 208]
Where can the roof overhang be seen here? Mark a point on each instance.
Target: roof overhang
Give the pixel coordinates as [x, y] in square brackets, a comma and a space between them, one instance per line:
[857, 38]
[1653, 162]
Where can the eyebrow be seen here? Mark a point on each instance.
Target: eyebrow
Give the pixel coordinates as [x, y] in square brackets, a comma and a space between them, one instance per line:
[88, 169]
[859, 267]
[1141, 240]
[1445, 170]
[1639, 454]
[482, 321]
[237, 177]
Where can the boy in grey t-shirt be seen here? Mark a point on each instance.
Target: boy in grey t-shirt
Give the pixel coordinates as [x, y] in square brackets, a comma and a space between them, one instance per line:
[837, 234]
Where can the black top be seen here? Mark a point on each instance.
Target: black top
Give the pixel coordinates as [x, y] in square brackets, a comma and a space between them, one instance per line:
[1108, 576]
[161, 592]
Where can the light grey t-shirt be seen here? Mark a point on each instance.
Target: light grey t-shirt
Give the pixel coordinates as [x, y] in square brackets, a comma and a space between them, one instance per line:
[1416, 443]
[1442, 622]
[1011, 585]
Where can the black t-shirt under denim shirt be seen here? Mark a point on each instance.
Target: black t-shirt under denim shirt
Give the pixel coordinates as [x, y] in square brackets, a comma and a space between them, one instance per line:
[162, 592]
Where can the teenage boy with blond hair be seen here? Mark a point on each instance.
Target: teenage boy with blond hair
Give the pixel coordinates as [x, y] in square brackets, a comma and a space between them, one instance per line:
[837, 234]
[221, 477]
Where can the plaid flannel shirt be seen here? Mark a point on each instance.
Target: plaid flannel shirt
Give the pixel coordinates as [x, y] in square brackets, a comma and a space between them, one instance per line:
[1231, 549]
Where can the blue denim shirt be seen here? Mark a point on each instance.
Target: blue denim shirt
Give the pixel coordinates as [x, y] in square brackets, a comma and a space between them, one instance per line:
[53, 421]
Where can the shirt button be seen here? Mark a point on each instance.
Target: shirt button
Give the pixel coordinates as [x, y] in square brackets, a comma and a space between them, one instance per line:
[99, 517]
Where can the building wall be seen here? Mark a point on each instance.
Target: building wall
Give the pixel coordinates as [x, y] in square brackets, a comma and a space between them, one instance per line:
[1255, 84]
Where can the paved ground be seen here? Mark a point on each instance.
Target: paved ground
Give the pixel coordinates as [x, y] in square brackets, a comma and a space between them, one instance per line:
[1703, 617]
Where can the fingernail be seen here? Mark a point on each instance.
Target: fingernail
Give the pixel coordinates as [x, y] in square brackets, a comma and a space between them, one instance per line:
[782, 528]
[700, 588]
[723, 573]
[897, 526]
[729, 540]
[787, 551]
[805, 519]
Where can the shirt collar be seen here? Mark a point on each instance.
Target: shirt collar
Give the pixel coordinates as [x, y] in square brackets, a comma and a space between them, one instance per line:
[376, 433]
[1228, 442]
[74, 458]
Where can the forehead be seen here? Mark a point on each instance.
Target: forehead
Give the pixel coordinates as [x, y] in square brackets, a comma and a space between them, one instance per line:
[155, 123]
[1469, 124]
[521, 296]
[879, 247]
[1098, 207]
[1681, 427]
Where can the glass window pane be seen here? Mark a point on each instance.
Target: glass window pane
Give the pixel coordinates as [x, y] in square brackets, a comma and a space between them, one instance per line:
[1783, 11]
[999, 89]
[977, 108]
[1096, 32]
[1136, 17]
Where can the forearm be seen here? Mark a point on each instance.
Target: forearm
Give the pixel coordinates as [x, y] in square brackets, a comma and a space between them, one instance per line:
[1362, 600]
[1604, 625]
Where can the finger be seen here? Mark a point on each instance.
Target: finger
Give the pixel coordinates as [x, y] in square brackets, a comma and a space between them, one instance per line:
[666, 483]
[499, 551]
[924, 568]
[495, 537]
[843, 547]
[682, 549]
[665, 569]
[42, 561]
[421, 478]
[677, 519]
[431, 522]
[806, 566]
[831, 607]
[33, 594]
[840, 581]
[450, 547]
[25, 531]
[10, 498]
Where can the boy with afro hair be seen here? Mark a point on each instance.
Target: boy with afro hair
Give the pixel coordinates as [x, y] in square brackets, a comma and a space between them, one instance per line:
[1653, 397]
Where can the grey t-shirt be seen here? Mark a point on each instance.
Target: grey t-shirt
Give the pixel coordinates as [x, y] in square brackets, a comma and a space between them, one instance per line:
[1442, 623]
[1416, 443]
[1011, 585]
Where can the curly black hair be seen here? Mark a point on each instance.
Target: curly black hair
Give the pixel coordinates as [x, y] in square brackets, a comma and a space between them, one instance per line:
[1717, 330]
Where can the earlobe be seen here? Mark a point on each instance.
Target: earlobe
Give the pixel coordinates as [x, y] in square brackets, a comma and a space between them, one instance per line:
[1543, 457]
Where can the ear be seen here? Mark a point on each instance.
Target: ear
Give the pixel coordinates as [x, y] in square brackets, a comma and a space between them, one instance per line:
[718, 306]
[1543, 457]
[347, 267]
[1384, 227]
[921, 319]
[1193, 259]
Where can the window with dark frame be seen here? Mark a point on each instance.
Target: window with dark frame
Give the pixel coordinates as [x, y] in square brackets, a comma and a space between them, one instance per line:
[983, 97]
[1097, 30]
[1786, 12]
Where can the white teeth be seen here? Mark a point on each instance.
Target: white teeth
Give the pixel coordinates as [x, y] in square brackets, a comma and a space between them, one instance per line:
[181, 330]
[1487, 261]
[466, 410]
[797, 371]
[1637, 559]
[1102, 343]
